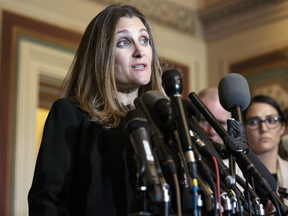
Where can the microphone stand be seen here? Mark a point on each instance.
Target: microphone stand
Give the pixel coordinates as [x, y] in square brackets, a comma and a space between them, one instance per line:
[164, 113]
[207, 148]
[236, 130]
[147, 201]
[165, 158]
[172, 84]
[153, 195]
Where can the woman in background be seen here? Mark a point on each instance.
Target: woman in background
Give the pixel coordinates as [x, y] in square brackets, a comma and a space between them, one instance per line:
[85, 163]
[264, 128]
[283, 150]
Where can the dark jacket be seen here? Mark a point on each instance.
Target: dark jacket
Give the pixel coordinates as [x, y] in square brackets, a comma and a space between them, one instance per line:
[82, 168]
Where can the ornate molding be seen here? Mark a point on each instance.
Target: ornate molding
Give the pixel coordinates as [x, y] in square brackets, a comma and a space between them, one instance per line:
[215, 14]
[163, 12]
[229, 17]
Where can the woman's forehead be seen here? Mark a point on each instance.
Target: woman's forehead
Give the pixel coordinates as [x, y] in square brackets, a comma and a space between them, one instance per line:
[261, 110]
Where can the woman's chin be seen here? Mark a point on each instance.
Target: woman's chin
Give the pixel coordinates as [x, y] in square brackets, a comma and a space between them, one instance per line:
[144, 82]
[261, 151]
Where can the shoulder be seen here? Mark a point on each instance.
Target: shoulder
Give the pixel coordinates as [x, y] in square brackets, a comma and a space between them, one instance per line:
[67, 110]
[65, 103]
[283, 164]
[281, 159]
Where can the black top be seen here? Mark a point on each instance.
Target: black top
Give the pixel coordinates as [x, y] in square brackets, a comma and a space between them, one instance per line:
[82, 168]
[275, 176]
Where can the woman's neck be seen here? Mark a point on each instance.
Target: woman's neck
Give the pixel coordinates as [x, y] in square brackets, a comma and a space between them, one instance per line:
[269, 159]
[128, 98]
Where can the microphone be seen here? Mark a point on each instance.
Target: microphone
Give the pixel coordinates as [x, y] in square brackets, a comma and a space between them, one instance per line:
[150, 98]
[173, 86]
[161, 111]
[139, 133]
[164, 156]
[234, 95]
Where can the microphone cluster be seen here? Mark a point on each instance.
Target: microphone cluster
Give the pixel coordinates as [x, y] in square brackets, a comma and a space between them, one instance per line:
[180, 171]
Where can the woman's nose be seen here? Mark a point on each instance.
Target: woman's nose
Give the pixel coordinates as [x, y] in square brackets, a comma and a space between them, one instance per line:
[138, 52]
[263, 126]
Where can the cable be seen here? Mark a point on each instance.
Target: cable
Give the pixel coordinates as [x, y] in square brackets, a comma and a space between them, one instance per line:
[214, 187]
[272, 197]
[178, 196]
[218, 183]
[195, 188]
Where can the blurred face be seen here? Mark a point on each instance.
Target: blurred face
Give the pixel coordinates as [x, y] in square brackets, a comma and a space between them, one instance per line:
[267, 135]
[133, 55]
[220, 114]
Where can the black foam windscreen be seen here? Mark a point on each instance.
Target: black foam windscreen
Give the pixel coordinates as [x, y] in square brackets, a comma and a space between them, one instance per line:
[160, 115]
[234, 91]
[172, 82]
[135, 120]
[150, 98]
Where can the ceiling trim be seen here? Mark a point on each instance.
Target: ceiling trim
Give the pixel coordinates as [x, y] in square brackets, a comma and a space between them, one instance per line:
[230, 17]
[163, 12]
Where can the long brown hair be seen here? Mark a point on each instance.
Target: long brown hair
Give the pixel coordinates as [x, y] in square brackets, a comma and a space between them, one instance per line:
[90, 79]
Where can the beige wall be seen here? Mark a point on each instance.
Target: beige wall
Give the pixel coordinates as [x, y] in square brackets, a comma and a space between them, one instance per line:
[244, 45]
[76, 14]
[41, 119]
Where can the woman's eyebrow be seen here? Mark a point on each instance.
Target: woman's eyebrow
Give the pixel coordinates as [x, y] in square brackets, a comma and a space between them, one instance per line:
[126, 31]
[123, 31]
[143, 29]
[264, 116]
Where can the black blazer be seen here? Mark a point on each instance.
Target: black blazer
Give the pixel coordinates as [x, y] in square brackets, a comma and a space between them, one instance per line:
[82, 168]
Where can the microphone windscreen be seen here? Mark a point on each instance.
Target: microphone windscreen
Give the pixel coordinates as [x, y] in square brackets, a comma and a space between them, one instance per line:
[136, 119]
[172, 82]
[137, 114]
[234, 91]
[150, 98]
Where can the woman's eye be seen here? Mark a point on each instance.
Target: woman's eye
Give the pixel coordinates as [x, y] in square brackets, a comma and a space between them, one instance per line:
[253, 122]
[271, 120]
[145, 41]
[123, 43]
